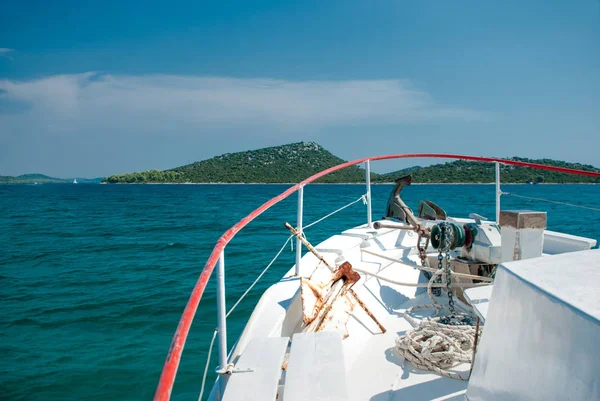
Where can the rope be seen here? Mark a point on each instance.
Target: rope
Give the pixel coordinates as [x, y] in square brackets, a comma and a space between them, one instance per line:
[417, 285]
[438, 347]
[426, 269]
[551, 201]
[433, 345]
[336, 211]
[212, 342]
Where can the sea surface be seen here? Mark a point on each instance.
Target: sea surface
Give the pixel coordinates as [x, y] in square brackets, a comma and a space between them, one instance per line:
[94, 278]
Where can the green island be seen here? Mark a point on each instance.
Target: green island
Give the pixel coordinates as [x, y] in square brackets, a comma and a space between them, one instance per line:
[279, 164]
[294, 162]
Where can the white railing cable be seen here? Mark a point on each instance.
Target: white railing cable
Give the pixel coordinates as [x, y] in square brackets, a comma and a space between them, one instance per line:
[259, 277]
[368, 179]
[362, 197]
[212, 342]
[283, 247]
[552, 201]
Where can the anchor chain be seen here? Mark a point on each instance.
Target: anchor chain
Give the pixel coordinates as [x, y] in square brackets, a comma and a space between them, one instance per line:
[446, 240]
[448, 232]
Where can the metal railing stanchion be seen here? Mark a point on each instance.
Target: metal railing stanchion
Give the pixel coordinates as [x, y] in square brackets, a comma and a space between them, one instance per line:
[221, 316]
[299, 228]
[369, 215]
[498, 192]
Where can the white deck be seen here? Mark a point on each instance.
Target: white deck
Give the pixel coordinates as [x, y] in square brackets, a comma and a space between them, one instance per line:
[257, 370]
[380, 374]
[373, 369]
[316, 368]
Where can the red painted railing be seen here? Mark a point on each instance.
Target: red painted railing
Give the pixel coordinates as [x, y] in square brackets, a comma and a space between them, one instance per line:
[167, 378]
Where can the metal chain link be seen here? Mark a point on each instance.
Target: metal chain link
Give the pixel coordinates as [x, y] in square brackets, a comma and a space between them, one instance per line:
[446, 239]
[448, 236]
[438, 291]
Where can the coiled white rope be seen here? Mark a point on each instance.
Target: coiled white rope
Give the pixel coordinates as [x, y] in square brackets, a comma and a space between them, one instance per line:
[437, 347]
[434, 346]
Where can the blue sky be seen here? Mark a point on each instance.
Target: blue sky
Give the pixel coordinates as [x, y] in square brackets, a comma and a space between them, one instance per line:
[96, 88]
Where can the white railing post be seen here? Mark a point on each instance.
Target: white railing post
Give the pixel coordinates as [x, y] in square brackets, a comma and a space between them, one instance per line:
[369, 216]
[299, 228]
[221, 313]
[498, 193]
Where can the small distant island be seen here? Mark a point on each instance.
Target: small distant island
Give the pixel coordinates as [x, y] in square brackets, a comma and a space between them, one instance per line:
[296, 161]
[44, 179]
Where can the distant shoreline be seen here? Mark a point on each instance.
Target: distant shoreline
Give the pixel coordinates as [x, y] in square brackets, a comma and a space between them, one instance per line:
[344, 183]
[291, 183]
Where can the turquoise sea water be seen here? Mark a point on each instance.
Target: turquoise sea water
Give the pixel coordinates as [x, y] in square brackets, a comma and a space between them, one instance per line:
[94, 277]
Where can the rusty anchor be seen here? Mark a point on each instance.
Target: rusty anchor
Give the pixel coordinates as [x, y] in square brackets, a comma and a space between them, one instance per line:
[318, 299]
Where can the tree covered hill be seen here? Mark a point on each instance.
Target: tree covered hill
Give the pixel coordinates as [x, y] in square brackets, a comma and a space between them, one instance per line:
[280, 164]
[294, 162]
[391, 177]
[463, 171]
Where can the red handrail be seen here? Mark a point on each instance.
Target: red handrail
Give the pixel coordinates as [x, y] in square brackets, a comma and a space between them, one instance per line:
[167, 377]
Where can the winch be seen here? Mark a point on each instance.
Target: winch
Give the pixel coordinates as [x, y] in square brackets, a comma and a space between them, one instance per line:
[456, 238]
[478, 242]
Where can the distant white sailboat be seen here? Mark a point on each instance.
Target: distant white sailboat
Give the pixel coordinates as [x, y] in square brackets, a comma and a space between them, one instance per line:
[74, 180]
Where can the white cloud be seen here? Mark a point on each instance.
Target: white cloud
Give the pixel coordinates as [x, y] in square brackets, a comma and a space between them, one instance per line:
[4, 52]
[218, 101]
[97, 124]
